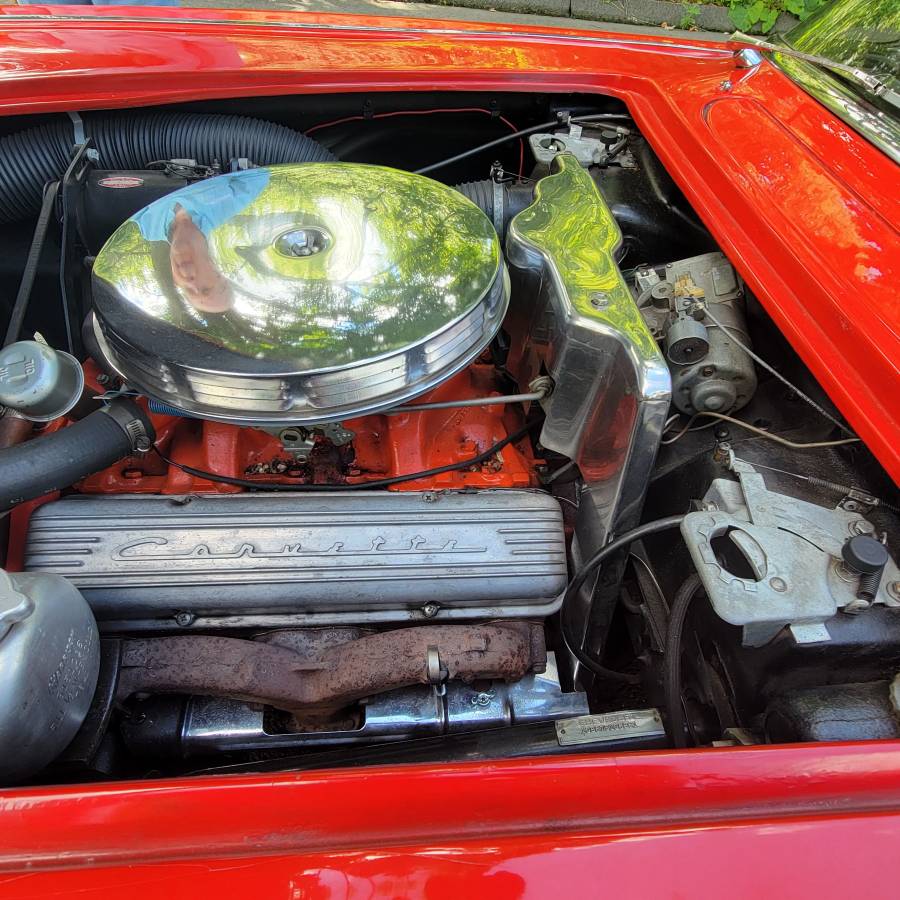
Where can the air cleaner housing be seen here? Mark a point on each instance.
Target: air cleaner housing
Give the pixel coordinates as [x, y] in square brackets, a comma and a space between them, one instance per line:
[300, 293]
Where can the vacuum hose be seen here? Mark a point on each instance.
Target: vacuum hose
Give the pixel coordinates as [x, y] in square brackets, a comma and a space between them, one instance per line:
[60, 459]
[31, 158]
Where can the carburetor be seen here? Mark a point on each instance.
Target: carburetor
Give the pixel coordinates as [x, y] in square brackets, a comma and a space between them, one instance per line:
[695, 307]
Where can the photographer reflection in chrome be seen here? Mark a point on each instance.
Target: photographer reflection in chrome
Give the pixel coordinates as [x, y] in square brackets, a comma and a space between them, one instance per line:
[186, 225]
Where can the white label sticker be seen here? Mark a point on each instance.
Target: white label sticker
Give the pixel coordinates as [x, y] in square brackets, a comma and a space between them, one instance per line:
[610, 727]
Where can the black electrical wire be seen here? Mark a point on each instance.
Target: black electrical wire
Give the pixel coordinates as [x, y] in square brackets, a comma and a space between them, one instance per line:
[363, 485]
[672, 658]
[20, 306]
[515, 135]
[620, 543]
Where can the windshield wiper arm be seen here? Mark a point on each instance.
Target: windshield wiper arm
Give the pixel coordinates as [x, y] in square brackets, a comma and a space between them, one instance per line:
[873, 83]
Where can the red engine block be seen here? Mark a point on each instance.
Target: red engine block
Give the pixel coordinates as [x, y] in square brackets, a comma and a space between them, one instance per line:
[384, 446]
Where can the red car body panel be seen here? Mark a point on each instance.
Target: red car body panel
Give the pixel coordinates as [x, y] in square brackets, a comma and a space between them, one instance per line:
[805, 208]
[813, 821]
[807, 211]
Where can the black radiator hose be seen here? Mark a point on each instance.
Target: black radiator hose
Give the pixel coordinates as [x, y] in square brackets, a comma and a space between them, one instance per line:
[31, 158]
[59, 459]
[513, 198]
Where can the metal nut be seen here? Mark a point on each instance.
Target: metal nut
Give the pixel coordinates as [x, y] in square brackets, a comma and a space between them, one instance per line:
[861, 526]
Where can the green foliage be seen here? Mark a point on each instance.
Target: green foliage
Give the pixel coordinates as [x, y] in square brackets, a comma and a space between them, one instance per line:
[750, 15]
[689, 16]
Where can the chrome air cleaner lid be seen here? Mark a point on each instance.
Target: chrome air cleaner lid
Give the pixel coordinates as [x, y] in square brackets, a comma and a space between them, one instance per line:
[302, 293]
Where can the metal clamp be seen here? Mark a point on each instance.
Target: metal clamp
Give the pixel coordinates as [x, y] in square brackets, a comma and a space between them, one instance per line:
[435, 671]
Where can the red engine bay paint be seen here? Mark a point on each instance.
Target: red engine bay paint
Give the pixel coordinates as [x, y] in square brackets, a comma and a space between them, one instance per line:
[384, 446]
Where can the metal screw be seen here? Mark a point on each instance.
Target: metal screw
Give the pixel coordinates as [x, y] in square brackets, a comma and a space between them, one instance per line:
[894, 589]
[599, 299]
[429, 497]
[103, 378]
[726, 85]
[850, 505]
[706, 371]
[183, 619]
[430, 610]
[778, 584]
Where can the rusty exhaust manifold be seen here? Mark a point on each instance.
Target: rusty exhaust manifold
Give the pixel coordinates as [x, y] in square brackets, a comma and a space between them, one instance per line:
[283, 678]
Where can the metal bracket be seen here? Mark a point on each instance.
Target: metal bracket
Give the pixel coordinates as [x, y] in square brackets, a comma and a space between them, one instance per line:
[436, 672]
[792, 554]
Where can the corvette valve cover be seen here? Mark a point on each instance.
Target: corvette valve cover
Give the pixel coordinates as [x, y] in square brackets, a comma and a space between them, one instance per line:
[324, 559]
[298, 294]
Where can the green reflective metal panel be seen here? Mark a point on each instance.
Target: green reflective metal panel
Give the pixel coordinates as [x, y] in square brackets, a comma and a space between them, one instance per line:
[571, 225]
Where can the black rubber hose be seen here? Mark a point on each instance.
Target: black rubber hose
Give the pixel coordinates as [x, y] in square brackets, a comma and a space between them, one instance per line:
[672, 659]
[513, 199]
[59, 459]
[31, 158]
[620, 543]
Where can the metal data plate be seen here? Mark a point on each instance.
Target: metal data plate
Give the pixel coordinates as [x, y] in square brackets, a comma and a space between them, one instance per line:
[365, 557]
[609, 727]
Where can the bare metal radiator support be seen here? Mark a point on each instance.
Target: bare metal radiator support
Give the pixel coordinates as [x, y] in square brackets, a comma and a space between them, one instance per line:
[583, 328]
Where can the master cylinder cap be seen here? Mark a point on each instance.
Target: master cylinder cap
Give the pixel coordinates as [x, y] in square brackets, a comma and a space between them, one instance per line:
[299, 294]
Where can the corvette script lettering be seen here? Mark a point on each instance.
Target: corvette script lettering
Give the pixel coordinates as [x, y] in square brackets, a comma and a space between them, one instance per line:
[160, 548]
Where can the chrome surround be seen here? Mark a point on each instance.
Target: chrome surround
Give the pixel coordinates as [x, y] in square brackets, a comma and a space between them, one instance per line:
[612, 386]
[874, 125]
[395, 283]
[215, 725]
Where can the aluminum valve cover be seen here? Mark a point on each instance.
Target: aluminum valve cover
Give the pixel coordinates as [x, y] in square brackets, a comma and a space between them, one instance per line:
[318, 559]
[299, 293]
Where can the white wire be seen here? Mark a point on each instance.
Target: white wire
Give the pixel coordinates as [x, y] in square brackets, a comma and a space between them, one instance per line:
[777, 374]
[761, 432]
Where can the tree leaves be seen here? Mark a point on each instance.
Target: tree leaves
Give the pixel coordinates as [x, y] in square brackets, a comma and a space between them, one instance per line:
[761, 15]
